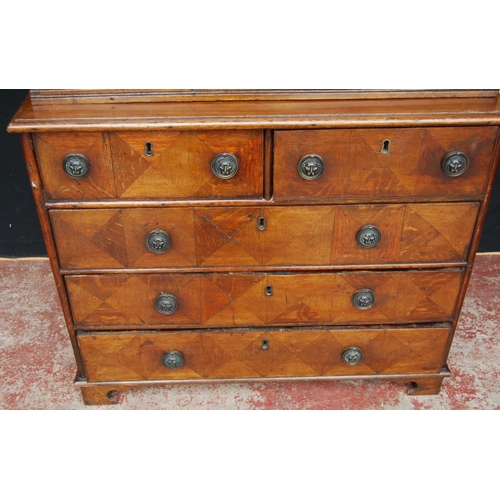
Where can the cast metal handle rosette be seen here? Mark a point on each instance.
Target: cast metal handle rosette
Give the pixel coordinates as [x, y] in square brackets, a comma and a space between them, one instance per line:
[455, 163]
[173, 360]
[225, 165]
[368, 236]
[158, 241]
[166, 303]
[311, 167]
[352, 356]
[76, 165]
[363, 299]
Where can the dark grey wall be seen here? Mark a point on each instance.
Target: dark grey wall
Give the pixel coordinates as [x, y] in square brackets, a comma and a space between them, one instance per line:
[20, 233]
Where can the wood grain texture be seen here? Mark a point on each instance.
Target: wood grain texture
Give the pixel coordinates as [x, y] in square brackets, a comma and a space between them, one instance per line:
[53, 148]
[179, 169]
[477, 232]
[239, 354]
[108, 393]
[243, 114]
[290, 284]
[181, 165]
[227, 300]
[294, 236]
[268, 163]
[355, 165]
[48, 236]
[44, 96]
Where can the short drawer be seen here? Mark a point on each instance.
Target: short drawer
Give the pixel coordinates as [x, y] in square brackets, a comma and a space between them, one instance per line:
[151, 165]
[259, 354]
[383, 163]
[237, 299]
[256, 236]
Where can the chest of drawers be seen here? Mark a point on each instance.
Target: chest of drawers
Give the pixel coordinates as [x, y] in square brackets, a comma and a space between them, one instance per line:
[223, 235]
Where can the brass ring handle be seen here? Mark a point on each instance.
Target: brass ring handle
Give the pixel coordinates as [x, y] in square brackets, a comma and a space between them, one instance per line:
[368, 236]
[455, 164]
[352, 356]
[173, 360]
[225, 165]
[363, 299]
[158, 241]
[311, 167]
[166, 303]
[76, 165]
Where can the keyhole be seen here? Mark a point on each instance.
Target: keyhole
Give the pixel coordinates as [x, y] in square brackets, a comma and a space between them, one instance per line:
[261, 225]
[269, 290]
[265, 345]
[148, 149]
[386, 144]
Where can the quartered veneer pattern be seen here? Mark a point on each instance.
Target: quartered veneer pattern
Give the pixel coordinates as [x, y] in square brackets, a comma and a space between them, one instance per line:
[256, 235]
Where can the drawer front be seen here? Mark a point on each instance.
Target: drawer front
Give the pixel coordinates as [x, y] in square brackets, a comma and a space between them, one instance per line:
[382, 163]
[260, 354]
[273, 236]
[154, 165]
[53, 149]
[225, 300]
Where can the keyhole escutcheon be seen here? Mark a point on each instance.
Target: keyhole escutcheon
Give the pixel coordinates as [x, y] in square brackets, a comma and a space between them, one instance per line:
[386, 146]
[148, 149]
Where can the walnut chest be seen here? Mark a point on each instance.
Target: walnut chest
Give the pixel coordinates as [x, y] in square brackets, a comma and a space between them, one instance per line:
[254, 235]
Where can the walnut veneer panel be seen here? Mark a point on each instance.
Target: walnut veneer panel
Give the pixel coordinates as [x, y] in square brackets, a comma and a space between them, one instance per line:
[226, 300]
[262, 268]
[51, 151]
[180, 167]
[239, 354]
[45, 96]
[307, 235]
[429, 109]
[356, 167]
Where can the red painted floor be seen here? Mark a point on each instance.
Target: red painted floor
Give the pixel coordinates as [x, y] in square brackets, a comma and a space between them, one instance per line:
[37, 368]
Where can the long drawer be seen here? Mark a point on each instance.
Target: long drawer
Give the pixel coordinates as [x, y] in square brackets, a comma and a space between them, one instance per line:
[207, 237]
[254, 354]
[237, 299]
[379, 163]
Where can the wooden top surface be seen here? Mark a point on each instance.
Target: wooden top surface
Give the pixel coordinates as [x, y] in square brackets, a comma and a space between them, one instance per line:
[92, 110]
